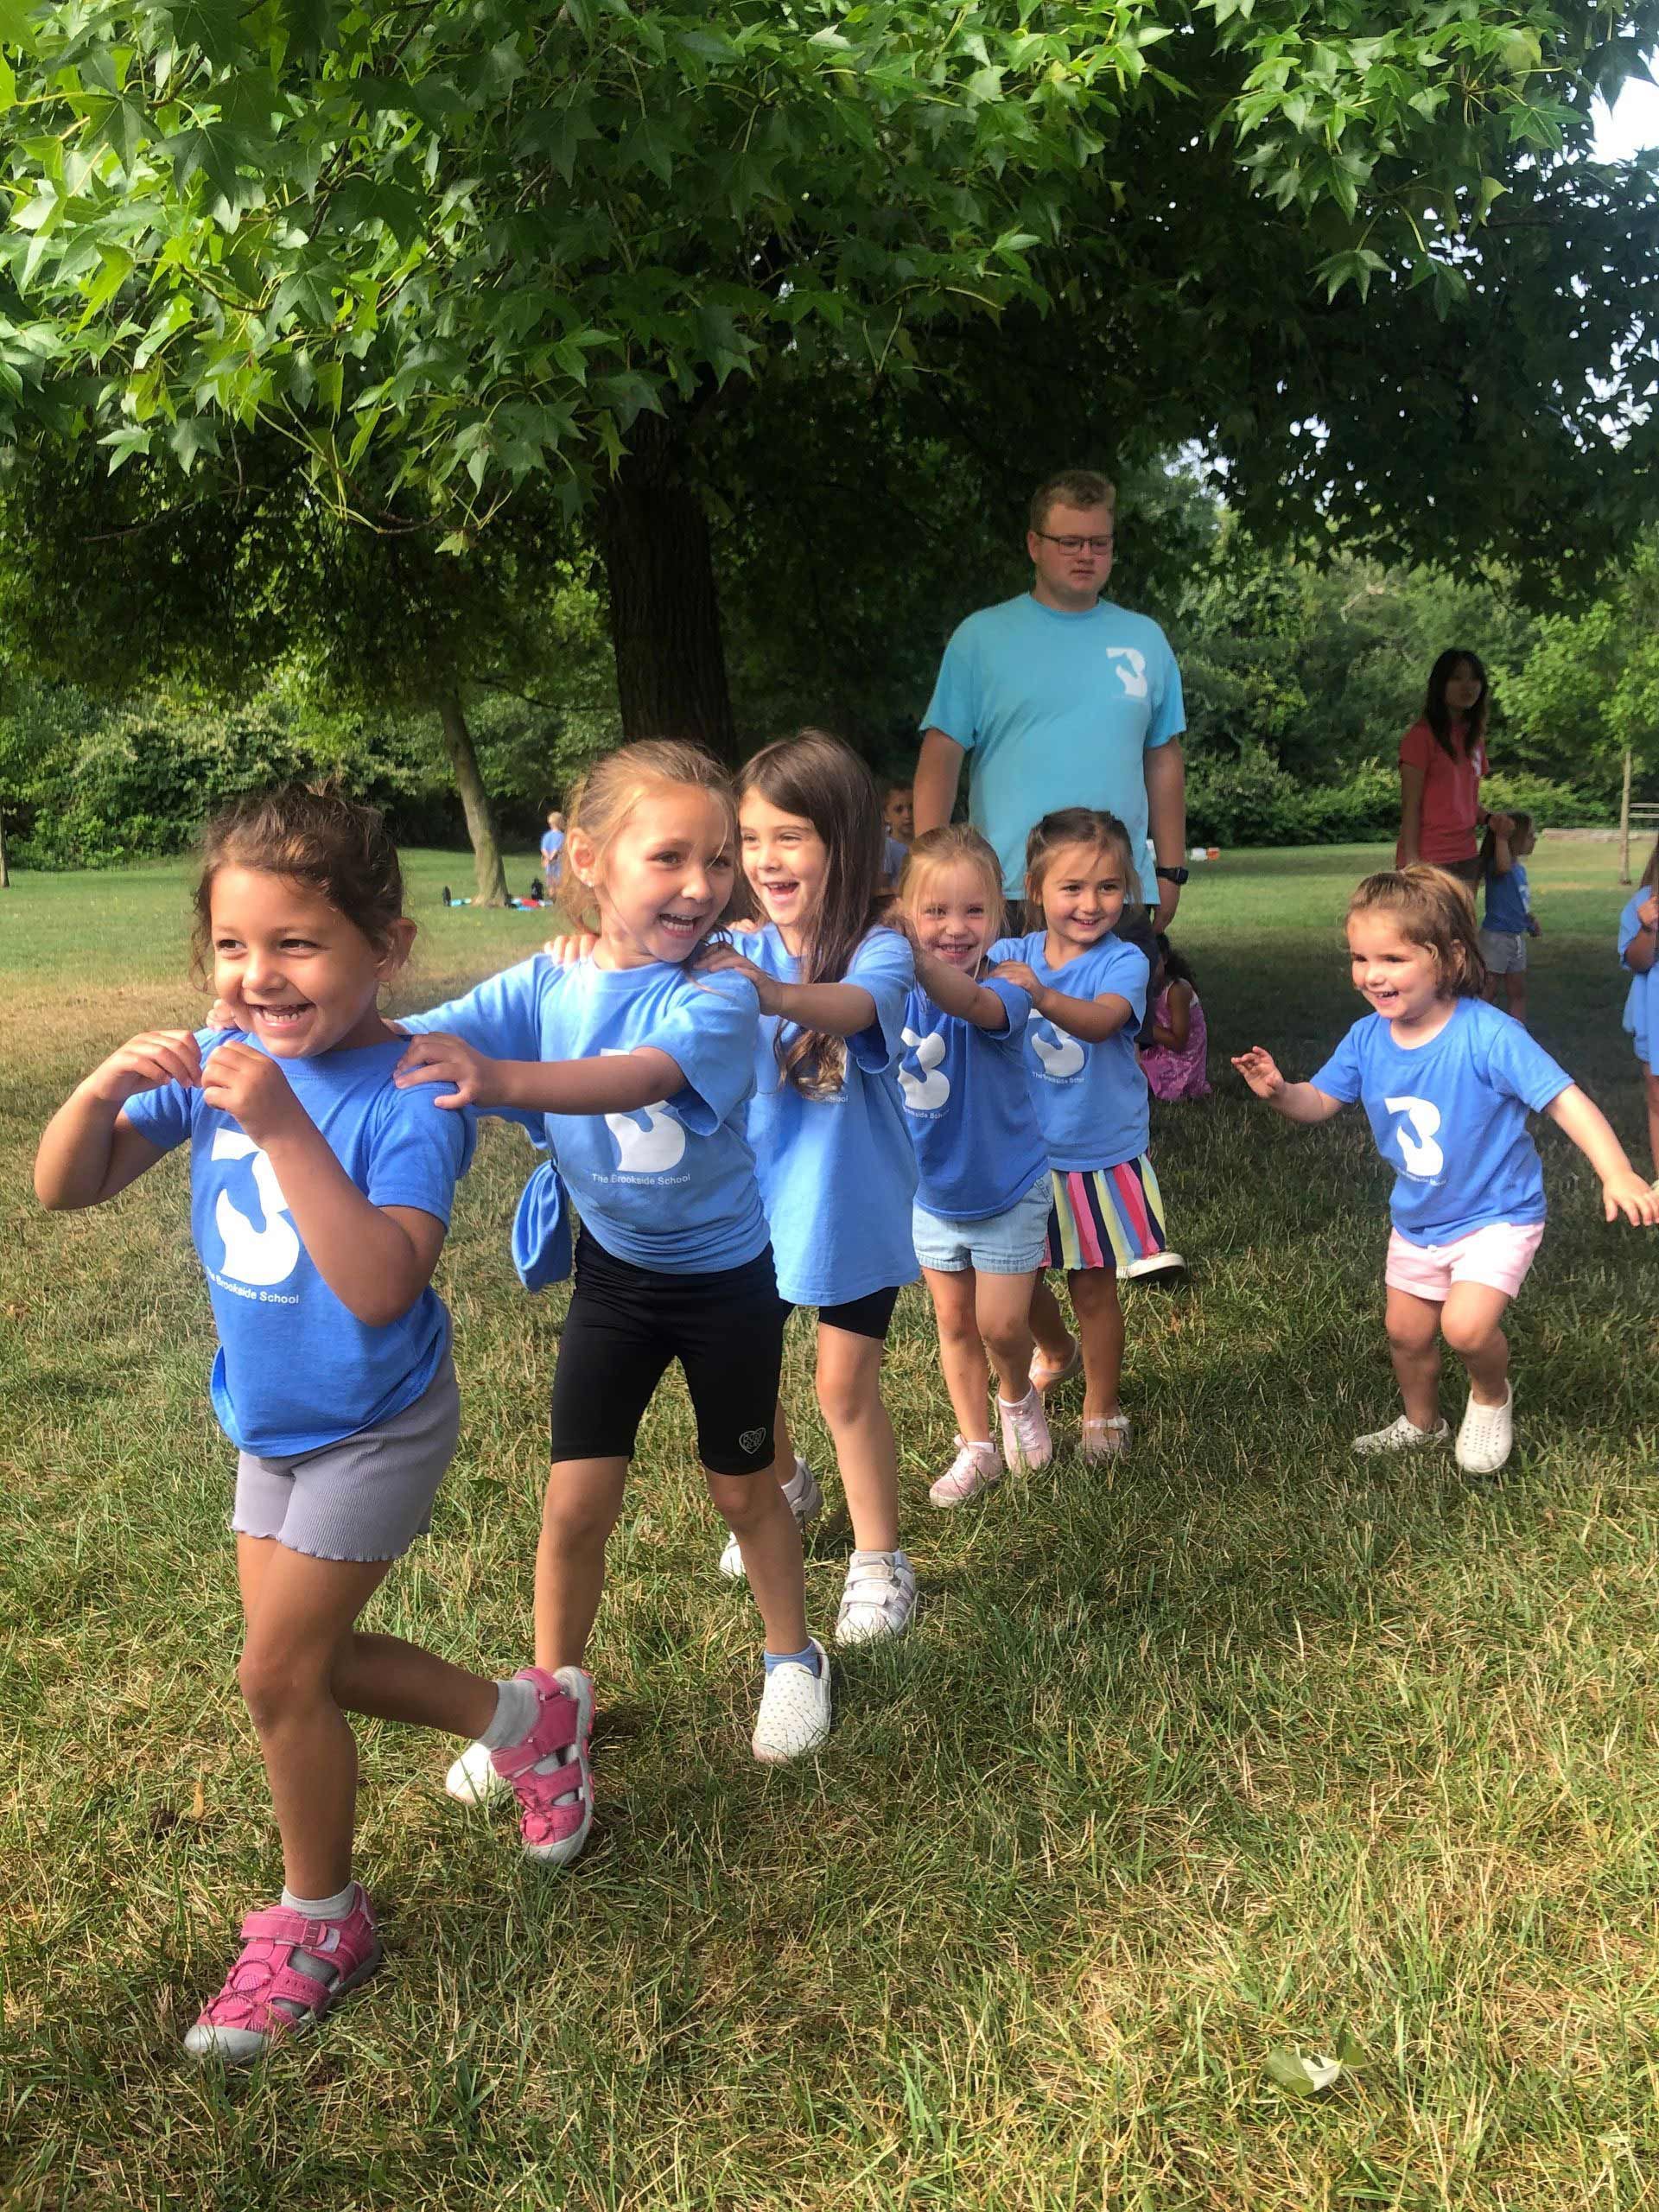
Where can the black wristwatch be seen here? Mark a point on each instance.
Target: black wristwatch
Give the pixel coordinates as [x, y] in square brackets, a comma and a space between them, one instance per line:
[1175, 876]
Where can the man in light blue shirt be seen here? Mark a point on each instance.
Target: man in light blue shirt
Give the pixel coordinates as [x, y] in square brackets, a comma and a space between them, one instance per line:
[1060, 698]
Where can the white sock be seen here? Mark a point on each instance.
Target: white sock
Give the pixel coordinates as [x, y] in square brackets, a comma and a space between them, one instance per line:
[514, 1716]
[334, 1908]
[1013, 1405]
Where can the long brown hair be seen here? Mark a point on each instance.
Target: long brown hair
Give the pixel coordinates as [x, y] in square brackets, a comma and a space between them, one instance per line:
[1650, 873]
[1439, 715]
[816, 777]
[1434, 910]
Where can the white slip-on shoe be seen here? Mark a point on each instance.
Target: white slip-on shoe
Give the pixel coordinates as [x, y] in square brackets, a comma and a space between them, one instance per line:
[1026, 1440]
[1486, 1436]
[1152, 1265]
[878, 1598]
[805, 1502]
[794, 1715]
[974, 1468]
[1402, 1436]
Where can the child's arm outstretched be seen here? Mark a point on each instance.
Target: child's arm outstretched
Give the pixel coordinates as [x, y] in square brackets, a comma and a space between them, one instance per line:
[87, 1151]
[1091, 1021]
[610, 1082]
[1297, 1102]
[1622, 1191]
[953, 991]
[835, 1009]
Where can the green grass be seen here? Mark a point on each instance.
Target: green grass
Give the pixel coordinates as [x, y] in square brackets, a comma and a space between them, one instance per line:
[1235, 1745]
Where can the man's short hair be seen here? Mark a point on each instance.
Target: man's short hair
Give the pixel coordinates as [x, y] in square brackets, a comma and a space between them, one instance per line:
[1072, 487]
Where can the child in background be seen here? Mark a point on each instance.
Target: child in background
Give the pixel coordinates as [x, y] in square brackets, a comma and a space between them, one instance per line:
[1175, 1062]
[980, 1217]
[643, 1073]
[1447, 1083]
[553, 851]
[319, 1197]
[1509, 922]
[828, 1127]
[1088, 991]
[898, 827]
[1638, 934]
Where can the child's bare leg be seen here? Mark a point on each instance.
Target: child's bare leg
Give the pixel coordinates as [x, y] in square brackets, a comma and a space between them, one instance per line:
[757, 1514]
[850, 1395]
[1053, 1338]
[1472, 1324]
[1414, 1325]
[300, 1615]
[1516, 983]
[962, 1354]
[1651, 1083]
[1100, 1329]
[583, 1499]
[1002, 1308]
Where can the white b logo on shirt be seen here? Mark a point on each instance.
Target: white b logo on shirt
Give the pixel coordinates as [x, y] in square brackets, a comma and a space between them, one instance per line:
[1422, 1154]
[260, 1256]
[924, 1093]
[1129, 667]
[649, 1151]
[1063, 1057]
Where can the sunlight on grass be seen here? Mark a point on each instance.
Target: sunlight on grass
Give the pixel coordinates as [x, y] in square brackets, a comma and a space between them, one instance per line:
[1225, 1747]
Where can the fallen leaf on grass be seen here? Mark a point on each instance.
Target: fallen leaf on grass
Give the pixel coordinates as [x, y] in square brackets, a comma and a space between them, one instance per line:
[1307, 2077]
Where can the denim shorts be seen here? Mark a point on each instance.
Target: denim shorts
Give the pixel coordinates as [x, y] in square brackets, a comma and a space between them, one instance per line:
[1010, 1243]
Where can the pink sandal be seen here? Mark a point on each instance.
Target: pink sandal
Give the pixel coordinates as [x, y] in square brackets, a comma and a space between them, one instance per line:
[248, 2015]
[551, 1770]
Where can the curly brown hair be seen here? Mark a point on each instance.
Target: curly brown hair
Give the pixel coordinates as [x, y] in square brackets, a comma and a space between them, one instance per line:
[1432, 909]
[332, 845]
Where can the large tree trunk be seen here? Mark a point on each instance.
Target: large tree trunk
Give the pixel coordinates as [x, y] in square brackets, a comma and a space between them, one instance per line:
[475, 802]
[671, 663]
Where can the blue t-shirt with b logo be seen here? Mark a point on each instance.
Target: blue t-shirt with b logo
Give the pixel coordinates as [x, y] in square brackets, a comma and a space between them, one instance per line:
[1450, 1117]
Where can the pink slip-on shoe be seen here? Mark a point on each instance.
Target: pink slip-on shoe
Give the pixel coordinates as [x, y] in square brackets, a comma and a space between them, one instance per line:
[551, 1770]
[267, 1996]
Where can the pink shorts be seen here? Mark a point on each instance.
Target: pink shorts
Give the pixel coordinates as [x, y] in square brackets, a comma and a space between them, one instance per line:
[1498, 1256]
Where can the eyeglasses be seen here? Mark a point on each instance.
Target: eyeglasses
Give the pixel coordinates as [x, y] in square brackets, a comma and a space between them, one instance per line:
[1097, 545]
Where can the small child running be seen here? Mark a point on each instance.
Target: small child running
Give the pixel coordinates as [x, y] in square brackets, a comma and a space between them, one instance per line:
[1447, 1083]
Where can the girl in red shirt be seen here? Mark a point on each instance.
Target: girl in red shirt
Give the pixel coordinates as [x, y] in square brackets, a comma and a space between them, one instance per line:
[1442, 760]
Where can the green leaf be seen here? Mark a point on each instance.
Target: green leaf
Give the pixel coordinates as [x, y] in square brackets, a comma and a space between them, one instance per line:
[1302, 2077]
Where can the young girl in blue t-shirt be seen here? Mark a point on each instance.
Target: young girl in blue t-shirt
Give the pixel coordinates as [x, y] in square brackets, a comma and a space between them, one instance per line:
[1447, 1083]
[1088, 990]
[1508, 919]
[981, 1219]
[836, 1169]
[1638, 934]
[642, 1072]
[319, 1197]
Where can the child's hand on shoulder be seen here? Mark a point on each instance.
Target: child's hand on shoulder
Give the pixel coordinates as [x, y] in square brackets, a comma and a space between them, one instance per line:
[145, 1063]
[1260, 1071]
[565, 952]
[1626, 1193]
[253, 1090]
[1022, 973]
[473, 1080]
[717, 959]
[1648, 912]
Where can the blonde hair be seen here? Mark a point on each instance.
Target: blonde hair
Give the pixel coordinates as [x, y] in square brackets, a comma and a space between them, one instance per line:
[1079, 825]
[957, 845]
[602, 801]
[1435, 910]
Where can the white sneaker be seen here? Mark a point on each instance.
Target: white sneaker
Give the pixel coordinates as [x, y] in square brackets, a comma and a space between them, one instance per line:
[805, 1502]
[1151, 1265]
[473, 1780]
[878, 1598]
[974, 1468]
[1485, 1436]
[1402, 1436]
[1105, 1437]
[1026, 1440]
[794, 1715]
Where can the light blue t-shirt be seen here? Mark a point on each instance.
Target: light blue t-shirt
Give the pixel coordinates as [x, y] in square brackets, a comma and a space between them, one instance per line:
[1450, 1118]
[1509, 903]
[671, 1187]
[1090, 1099]
[968, 1108]
[1641, 1005]
[297, 1369]
[837, 1174]
[1055, 710]
[552, 845]
[894, 857]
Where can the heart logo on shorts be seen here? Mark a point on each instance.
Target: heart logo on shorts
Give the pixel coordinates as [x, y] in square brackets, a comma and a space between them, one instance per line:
[751, 1439]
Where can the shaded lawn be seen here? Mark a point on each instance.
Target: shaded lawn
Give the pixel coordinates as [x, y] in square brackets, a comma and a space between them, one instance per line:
[1225, 1747]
